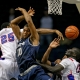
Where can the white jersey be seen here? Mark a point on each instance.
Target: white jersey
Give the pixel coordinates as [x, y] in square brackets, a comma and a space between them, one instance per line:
[8, 43]
[71, 69]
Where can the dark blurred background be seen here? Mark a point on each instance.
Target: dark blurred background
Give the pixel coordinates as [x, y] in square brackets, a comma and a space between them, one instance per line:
[70, 16]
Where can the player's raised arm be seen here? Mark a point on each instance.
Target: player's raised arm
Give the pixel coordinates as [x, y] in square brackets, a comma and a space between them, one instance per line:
[34, 34]
[52, 45]
[16, 31]
[50, 31]
[18, 19]
[14, 23]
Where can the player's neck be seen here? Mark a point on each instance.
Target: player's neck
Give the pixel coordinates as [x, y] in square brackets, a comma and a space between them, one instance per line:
[72, 57]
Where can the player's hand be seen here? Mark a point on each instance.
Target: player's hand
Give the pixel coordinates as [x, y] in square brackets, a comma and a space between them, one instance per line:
[55, 43]
[60, 35]
[31, 12]
[57, 61]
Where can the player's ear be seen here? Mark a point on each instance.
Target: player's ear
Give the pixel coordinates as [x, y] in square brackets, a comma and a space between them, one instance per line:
[74, 54]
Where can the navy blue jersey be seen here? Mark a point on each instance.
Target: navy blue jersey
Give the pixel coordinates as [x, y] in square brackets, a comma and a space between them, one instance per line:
[26, 54]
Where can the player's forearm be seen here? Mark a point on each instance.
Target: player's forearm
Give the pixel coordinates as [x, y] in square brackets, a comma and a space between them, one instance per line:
[17, 20]
[33, 31]
[52, 69]
[27, 17]
[49, 68]
[46, 55]
[46, 31]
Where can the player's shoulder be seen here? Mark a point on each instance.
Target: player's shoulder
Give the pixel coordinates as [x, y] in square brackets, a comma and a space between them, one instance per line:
[6, 29]
[66, 60]
[30, 43]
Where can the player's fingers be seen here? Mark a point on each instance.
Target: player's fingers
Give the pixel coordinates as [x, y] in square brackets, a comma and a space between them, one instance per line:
[55, 39]
[62, 38]
[59, 37]
[17, 8]
[33, 10]
[30, 8]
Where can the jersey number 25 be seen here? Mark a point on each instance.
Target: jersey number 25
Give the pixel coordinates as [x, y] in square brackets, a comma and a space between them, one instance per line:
[5, 38]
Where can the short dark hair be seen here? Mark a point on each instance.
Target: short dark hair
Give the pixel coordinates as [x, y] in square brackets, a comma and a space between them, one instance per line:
[77, 52]
[71, 52]
[4, 25]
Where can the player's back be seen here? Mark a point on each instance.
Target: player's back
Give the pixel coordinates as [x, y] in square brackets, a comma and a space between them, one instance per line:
[8, 43]
[71, 71]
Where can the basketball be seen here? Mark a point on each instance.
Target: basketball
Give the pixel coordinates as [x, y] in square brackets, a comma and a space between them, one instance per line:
[71, 32]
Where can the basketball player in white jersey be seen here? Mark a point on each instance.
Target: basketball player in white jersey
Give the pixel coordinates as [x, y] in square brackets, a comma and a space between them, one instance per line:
[8, 43]
[69, 66]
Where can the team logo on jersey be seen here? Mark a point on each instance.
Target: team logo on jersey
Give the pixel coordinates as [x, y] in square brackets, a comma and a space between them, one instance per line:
[20, 44]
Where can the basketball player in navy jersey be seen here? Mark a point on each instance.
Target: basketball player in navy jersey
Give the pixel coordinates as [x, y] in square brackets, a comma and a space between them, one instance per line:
[27, 50]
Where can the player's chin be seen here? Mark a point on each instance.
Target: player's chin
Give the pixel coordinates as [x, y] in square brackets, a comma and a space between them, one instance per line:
[25, 37]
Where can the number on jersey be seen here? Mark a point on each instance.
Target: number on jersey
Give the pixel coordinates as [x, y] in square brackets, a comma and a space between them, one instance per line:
[78, 68]
[19, 51]
[6, 38]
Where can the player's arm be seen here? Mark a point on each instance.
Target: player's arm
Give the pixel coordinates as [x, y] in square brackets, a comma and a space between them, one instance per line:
[21, 18]
[50, 31]
[34, 35]
[52, 45]
[16, 30]
[14, 23]
[63, 64]
[53, 69]
[17, 20]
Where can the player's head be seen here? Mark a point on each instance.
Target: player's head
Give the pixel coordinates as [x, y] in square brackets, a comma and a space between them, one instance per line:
[5, 25]
[26, 31]
[74, 52]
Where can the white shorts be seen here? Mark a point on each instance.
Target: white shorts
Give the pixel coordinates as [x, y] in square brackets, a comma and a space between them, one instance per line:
[8, 69]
